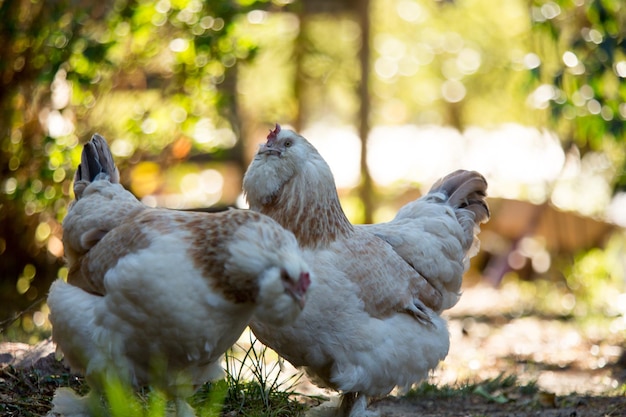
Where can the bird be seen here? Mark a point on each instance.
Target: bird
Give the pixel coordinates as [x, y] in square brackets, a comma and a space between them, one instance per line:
[373, 321]
[156, 296]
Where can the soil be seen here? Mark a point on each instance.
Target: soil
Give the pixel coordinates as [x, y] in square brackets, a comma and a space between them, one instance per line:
[558, 367]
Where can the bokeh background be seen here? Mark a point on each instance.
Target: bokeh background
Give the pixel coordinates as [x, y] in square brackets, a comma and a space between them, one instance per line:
[394, 93]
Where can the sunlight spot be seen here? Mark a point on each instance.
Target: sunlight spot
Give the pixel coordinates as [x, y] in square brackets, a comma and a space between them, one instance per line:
[122, 29]
[59, 175]
[55, 246]
[10, 185]
[150, 201]
[541, 261]
[43, 231]
[22, 285]
[61, 90]
[36, 186]
[205, 133]
[529, 246]
[194, 6]
[122, 148]
[620, 69]
[257, 16]
[607, 113]
[218, 24]
[570, 59]
[516, 260]
[592, 35]
[179, 45]
[587, 92]
[39, 318]
[577, 99]
[212, 181]
[241, 202]
[568, 302]
[179, 114]
[149, 126]
[27, 324]
[58, 125]
[207, 22]
[531, 61]
[203, 189]
[163, 6]
[145, 178]
[453, 91]
[390, 46]
[187, 16]
[550, 10]
[540, 98]
[594, 106]
[468, 60]
[386, 68]
[410, 11]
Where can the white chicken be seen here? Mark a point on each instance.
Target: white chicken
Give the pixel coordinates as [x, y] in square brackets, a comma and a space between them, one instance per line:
[156, 296]
[372, 321]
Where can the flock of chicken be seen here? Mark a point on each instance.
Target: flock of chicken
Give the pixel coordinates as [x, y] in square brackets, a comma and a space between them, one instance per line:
[155, 296]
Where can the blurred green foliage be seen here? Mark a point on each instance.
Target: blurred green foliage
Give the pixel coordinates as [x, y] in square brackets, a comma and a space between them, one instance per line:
[582, 48]
[146, 73]
[177, 81]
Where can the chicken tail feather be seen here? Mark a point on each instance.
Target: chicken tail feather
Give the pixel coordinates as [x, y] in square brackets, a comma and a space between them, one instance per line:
[96, 163]
[465, 190]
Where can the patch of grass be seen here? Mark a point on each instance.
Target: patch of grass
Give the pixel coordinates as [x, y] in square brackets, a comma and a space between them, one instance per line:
[501, 389]
[253, 386]
[256, 388]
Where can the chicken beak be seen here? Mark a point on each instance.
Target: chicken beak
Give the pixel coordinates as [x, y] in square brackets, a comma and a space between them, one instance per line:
[301, 301]
[299, 288]
[298, 296]
[266, 149]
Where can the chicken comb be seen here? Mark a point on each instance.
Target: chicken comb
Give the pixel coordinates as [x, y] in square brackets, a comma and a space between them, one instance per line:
[273, 134]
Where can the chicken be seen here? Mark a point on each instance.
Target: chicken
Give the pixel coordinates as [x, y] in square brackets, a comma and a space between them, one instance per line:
[156, 296]
[372, 321]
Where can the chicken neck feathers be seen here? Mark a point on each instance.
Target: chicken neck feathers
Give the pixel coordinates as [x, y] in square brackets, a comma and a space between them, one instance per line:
[307, 204]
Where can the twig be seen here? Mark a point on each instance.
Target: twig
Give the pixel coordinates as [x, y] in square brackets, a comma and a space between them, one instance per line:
[8, 322]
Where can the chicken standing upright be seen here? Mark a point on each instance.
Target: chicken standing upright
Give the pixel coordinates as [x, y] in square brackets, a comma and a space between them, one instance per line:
[156, 296]
[373, 318]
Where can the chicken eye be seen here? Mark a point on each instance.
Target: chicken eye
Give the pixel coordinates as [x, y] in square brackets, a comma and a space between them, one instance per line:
[284, 276]
[288, 143]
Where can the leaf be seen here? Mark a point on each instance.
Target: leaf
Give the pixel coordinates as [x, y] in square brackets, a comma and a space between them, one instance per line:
[499, 398]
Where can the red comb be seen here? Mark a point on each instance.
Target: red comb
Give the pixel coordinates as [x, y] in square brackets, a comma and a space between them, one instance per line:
[305, 281]
[273, 133]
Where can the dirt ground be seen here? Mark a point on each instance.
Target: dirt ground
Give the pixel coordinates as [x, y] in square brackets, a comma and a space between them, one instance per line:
[573, 370]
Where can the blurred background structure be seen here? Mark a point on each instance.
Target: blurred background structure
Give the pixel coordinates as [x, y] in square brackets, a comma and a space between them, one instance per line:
[394, 93]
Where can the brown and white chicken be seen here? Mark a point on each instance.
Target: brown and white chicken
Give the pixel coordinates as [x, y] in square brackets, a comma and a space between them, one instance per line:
[372, 321]
[156, 296]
